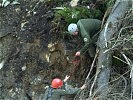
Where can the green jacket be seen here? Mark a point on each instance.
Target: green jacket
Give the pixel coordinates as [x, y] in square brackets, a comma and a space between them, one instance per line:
[56, 94]
[87, 28]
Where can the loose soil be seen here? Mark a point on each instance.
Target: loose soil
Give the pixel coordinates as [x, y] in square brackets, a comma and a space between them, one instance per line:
[29, 64]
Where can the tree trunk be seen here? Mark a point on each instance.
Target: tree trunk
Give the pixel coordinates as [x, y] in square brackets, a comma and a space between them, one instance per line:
[112, 26]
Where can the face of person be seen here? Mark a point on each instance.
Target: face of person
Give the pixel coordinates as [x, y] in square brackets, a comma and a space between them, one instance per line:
[76, 32]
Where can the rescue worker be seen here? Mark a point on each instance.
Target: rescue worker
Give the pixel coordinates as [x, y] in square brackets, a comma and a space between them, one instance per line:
[58, 89]
[87, 28]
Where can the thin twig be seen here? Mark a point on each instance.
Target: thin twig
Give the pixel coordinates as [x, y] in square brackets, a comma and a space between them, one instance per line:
[127, 17]
[36, 5]
[117, 38]
[126, 58]
[92, 66]
[131, 75]
[120, 60]
[97, 72]
[93, 83]
[105, 15]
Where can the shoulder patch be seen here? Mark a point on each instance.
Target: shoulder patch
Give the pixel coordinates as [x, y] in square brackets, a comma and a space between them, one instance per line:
[85, 39]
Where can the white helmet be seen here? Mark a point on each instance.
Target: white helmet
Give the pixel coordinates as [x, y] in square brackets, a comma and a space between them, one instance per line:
[72, 28]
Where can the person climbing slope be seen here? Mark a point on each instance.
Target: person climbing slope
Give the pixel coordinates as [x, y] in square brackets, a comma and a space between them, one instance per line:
[86, 28]
[58, 89]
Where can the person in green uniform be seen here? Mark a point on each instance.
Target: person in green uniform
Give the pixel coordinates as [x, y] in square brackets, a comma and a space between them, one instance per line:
[86, 28]
[58, 89]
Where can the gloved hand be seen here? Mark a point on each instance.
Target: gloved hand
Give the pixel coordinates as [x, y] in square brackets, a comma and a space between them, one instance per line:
[66, 78]
[83, 86]
[77, 56]
[77, 53]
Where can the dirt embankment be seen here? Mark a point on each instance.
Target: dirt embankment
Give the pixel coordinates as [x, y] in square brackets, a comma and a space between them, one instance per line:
[29, 62]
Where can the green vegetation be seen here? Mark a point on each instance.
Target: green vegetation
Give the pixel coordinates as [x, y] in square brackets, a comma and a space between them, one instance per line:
[74, 14]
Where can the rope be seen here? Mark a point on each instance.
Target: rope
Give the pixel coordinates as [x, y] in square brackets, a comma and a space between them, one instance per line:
[75, 63]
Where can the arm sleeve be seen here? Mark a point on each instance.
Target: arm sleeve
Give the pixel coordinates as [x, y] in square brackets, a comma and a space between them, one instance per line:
[69, 91]
[85, 35]
[87, 27]
[84, 48]
[87, 42]
[64, 85]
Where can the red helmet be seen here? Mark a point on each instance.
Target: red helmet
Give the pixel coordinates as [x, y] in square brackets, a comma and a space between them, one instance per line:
[56, 83]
